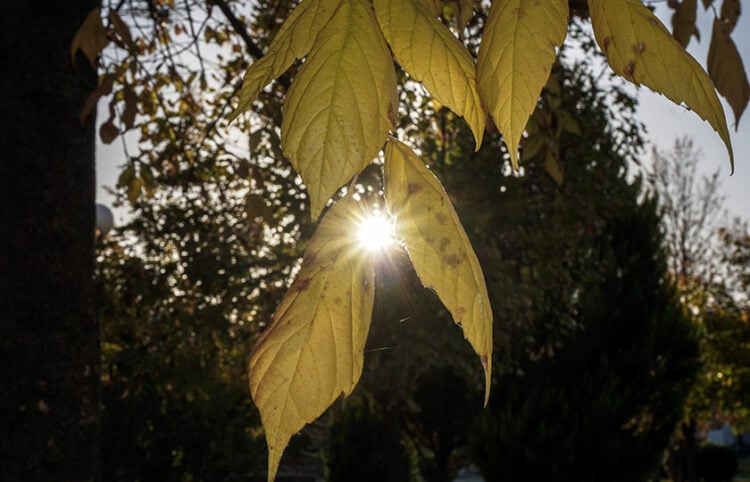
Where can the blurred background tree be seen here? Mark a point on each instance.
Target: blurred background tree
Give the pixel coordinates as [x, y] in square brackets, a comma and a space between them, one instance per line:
[708, 263]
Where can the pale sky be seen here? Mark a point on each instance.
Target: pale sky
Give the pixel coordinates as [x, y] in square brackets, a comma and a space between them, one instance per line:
[664, 120]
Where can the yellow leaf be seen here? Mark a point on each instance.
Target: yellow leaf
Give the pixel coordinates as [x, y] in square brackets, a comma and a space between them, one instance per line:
[639, 48]
[683, 21]
[438, 247]
[293, 41]
[431, 54]
[313, 350]
[91, 38]
[727, 71]
[433, 6]
[341, 104]
[515, 59]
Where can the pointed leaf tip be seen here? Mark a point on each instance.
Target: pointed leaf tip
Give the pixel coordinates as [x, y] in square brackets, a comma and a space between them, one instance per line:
[438, 247]
[313, 350]
[515, 60]
[431, 54]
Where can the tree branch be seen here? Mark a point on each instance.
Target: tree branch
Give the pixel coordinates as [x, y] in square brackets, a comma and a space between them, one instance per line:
[239, 27]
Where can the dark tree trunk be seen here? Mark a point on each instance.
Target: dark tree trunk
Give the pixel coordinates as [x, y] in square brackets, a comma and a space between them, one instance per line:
[682, 461]
[49, 337]
[691, 450]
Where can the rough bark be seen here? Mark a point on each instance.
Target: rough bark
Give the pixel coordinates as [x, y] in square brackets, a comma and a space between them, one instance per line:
[49, 339]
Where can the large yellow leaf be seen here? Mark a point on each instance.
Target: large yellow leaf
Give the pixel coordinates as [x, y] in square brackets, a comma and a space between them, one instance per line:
[431, 54]
[341, 104]
[726, 69]
[639, 48]
[515, 59]
[438, 247]
[313, 350]
[293, 41]
[435, 7]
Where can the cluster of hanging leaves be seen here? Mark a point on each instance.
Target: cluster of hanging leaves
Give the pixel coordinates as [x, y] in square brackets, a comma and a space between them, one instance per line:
[339, 112]
[724, 63]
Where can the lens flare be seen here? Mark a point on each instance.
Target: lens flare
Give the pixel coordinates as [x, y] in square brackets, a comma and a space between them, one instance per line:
[376, 232]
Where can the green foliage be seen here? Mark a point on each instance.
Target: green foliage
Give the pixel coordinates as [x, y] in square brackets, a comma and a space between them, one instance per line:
[708, 261]
[440, 429]
[365, 445]
[182, 290]
[577, 344]
[721, 393]
[174, 404]
[604, 405]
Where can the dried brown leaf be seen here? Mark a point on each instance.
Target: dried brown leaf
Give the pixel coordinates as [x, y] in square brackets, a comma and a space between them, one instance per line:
[727, 71]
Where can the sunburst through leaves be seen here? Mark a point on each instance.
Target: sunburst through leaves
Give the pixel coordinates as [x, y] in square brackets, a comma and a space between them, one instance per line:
[375, 232]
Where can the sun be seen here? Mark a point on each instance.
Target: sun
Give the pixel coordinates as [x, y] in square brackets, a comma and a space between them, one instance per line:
[376, 232]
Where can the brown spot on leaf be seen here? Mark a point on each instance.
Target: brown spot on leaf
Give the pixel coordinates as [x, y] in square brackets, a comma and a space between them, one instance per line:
[302, 284]
[607, 42]
[413, 187]
[630, 69]
[460, 311]
[442, 218]
[308, 260]
[639, 48]
[452, 260]
[337, 300]
[444, 242]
